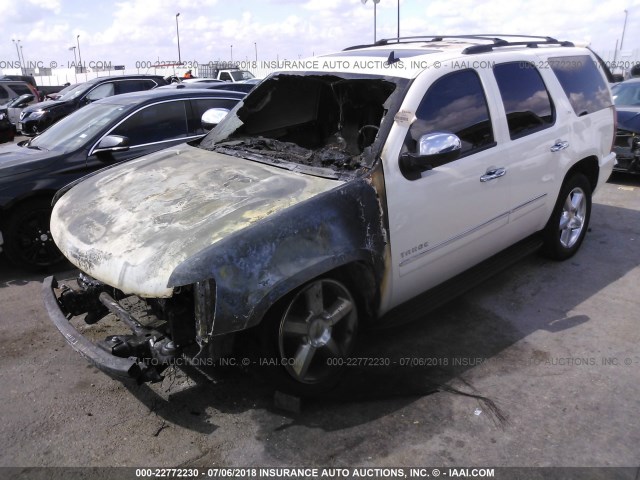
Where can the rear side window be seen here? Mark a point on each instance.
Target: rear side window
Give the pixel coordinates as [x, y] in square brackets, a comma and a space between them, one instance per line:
[127, 86]
[226, 76]
[3, 93]
[456, 103]
[582, 83]
[156, 123]
[525, 98]
[21, 89]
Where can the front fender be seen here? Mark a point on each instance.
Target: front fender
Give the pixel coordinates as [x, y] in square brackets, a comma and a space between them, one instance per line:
[256, 266]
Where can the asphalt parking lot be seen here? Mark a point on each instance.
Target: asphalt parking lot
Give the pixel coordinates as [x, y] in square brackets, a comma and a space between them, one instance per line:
[540, 366]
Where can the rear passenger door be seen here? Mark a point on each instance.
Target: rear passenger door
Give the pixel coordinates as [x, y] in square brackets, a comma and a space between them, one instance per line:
[534, 137]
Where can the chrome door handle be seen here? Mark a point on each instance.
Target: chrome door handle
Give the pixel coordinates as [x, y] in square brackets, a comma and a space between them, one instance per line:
[560, 145]
[493, 173]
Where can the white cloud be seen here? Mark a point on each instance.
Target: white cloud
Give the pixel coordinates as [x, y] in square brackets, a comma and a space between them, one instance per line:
[134, 30]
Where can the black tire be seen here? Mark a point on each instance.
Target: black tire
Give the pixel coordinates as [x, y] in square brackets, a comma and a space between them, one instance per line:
[307, 338]
[569, 221]
[28, 241]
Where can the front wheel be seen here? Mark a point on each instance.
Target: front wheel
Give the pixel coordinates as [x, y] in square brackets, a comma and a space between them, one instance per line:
[28, 237]
[310, 337]
[569, 221]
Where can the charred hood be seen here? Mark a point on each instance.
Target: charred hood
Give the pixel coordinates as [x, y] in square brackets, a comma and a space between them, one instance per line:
[132, 225]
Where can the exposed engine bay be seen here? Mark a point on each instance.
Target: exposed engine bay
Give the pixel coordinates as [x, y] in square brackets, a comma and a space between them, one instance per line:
[319, 121]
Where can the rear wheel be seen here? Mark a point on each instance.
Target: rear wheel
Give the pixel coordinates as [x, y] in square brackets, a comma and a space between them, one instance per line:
[28, 241]
[310, 335]
[569, 221]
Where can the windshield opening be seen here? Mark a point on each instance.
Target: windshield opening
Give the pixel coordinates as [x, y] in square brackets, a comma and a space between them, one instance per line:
[76, 130]
[319, 121]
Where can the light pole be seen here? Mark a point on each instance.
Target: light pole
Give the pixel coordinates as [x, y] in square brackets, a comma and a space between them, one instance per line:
[231, 53]
[79, 54]
[375, 15]
[624, 27]
[23, 60]
[178, 35]
[75, 71]
[615, 52]
[398, 21]
[16, 43]
[255, 44]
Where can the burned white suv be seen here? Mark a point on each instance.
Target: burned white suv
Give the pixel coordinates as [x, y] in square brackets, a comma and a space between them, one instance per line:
[355, 192]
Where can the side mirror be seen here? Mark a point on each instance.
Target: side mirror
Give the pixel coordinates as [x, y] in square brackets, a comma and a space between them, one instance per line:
[112, 143]
[617, 78]
[434, 149]
[212, 117]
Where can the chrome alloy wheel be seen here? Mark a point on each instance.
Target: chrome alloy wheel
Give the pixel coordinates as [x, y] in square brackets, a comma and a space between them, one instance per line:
[572, 218]
[317, 331]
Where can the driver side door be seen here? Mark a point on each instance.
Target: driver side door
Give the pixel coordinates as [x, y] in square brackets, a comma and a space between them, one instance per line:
[444, 220]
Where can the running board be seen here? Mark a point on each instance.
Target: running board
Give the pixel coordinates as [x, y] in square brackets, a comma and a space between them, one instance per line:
[428, 301]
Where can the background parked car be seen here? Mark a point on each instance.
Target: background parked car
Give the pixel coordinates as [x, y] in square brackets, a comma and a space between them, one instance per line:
[201, 80]
[21, 78]
[106, 132]
[626, 96]
[244, 87]
[12, 89]
[15, 107]
[40, 116]
[7, 131]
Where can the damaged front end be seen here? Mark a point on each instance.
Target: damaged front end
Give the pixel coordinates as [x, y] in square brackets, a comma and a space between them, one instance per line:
[159, 330]
[627, 144]
[627, 150]
[190, 245]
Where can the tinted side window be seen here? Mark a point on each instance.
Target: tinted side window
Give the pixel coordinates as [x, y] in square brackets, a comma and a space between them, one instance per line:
[456, 103]
[155, 123]
[127, 86]
[525, 98]
[3, 93]
[225, 76]
[582, 83]
[20, 89]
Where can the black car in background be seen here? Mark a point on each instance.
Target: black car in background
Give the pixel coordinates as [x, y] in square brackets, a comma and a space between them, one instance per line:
[109, 131]
[38, 117]
[244, 87]
[7, 131]
[626, 96]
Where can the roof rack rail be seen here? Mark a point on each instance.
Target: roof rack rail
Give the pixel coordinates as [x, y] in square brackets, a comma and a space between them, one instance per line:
[497, 40]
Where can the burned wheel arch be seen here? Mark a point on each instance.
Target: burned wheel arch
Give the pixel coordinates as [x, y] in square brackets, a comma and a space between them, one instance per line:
[254, 268]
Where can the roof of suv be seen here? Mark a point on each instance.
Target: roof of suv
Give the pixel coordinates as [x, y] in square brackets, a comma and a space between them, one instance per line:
[168, 94]
[409, 56]
[13, 82]
[127, 77]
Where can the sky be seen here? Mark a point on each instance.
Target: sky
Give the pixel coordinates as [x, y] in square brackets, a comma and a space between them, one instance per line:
[135, 31]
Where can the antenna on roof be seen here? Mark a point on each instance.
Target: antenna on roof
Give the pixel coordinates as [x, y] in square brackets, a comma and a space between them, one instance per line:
[392, 58]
